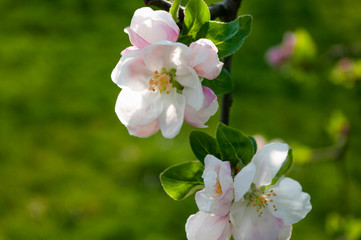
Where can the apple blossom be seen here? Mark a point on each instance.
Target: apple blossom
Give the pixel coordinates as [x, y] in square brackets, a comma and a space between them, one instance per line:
[278, 55]
[214, 203]
[260, 211]
[148, 26]
[159, 89]
[217, 196]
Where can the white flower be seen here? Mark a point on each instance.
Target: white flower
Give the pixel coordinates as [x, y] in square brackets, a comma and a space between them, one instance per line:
[214, 203]
[217, 195]
[148, 26]
[261, 211]
[158, 85]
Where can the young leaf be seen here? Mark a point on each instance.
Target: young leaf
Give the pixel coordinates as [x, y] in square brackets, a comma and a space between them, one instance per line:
[195, 16]
[203, 144]
[234, 145]
[180, 181]
[285, 167]
[174, 9]
[228, 37]
[222, 84]
[186, 39]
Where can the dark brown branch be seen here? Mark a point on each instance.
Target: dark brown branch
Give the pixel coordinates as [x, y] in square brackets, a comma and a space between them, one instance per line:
[227, 98]
[225, 10]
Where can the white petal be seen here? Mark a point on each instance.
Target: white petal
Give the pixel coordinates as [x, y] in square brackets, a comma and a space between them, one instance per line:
[268, 161]
[171, 120]
[193, 91]
[285, 230]
[131, 72]
[165, 54]
[135, 108]
[204, 226]
[292, 204]
[248, 225]
[243, 181]
[135, 39]
[144, 130]
[216, 206]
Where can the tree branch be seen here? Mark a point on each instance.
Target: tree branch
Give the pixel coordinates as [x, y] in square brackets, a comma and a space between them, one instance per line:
[225, 10]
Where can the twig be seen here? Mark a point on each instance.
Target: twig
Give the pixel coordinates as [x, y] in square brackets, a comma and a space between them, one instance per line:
[227, 98]
[225, 10]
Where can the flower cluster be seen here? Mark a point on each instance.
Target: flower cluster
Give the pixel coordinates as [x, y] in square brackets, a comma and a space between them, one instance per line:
[250, 206]
[161, 78]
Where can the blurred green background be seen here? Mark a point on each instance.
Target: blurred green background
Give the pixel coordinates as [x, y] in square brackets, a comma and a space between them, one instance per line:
[70, 170]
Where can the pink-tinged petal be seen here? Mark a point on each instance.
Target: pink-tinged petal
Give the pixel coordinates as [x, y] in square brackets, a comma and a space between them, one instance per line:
[292, 204]
[204, 226]
[200, 117]
[192, 90]
[153, 26]
[268, 161]
[285, 230]
[205, 59]
[274, 57]
[131, 72]
[248, 225]
[135, 108]
[209, 97]
[128, 50]
[165, 54]
[209, 108]
[171, 120]
[136, 39]
[243, 181]
[166, 17]
[144, 130]
[141, 15]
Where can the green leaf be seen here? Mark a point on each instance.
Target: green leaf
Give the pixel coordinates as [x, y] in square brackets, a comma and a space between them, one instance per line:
[284, 168]
[186, 39]
[254, 142]
[234, 145]
[222, 84]
[228, 37]
[174, 9]
[196, 14]
[203, 144]
[179, 181]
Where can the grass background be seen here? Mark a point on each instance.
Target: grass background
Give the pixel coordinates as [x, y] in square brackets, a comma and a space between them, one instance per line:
[70, 170]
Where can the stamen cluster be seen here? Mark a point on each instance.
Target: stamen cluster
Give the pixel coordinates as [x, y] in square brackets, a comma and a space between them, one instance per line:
[162, 81]
[259, 199]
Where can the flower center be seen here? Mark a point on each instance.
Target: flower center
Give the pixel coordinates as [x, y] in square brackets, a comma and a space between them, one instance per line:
[164, 81]
[259, 199]
[218, 189]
